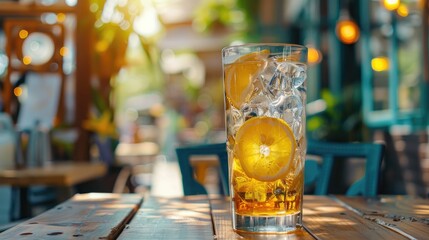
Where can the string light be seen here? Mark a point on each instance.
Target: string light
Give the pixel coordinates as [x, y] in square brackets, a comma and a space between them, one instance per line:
[347, 31]
[26, 60]
[402, 10]
[380, 64]
[23, 34]
[17, 91]
[391, 5]
[314, 56]
[64, 51]
[61, 17]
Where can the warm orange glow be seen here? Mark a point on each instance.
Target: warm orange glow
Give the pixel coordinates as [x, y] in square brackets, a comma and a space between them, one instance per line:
[421, 4]
[391, 5]
[23, 34]
[314, 56]
[380, 64]
[61, 17]
[17, 91]
[101, 46]
[402, 10]
[26, 60]
[64, 51]
[347, 31]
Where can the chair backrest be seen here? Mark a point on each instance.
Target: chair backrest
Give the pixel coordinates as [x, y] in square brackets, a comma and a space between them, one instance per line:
[315, 173]
[190, 185]
[319, 174]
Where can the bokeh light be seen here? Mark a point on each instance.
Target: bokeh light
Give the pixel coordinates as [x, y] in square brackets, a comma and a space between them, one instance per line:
[26, 60]
[61, 17]
[314, 55]
[380, 64]
[402, 10]
[17, 91]
[391, 5]
[64, 51]
[23, 34]
[347, 31]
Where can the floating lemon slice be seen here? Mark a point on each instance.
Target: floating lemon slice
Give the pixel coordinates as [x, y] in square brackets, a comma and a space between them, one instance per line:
[239, 75]
[265, 147]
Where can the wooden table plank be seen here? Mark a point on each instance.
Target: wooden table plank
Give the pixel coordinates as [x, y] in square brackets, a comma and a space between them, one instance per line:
[85, 216]
[56, 174]
[171, 218]
[328, 219]
[223, 225]
[406, 214]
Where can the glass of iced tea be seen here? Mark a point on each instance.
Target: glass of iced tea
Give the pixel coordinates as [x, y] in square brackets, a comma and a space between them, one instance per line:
[265, 95]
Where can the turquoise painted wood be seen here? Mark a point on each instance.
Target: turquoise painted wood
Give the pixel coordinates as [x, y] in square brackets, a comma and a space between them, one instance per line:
[372, 153]
[415, 118]
[190, 185]
[315, 173]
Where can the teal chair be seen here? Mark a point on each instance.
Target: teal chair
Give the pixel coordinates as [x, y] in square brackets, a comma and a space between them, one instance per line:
[190, 185]
[316, 173]
[319, 173]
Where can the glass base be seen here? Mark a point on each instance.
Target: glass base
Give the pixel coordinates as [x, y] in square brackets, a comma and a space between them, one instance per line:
[267, 224]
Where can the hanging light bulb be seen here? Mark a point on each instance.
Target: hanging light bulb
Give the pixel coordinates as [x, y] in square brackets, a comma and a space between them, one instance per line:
[391, 5]
[346, 29]
[314, 55]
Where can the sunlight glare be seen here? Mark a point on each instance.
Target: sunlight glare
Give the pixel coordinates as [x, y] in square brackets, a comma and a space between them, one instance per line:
[147, 24]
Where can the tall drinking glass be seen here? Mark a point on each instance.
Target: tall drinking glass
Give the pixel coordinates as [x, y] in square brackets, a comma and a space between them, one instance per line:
[265, 95]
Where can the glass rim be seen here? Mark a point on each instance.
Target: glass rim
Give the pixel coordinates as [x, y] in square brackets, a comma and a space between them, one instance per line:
[293, 45]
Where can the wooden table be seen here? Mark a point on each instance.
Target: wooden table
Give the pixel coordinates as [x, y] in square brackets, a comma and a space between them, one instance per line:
[123, 216]
[56, 174]
[62, 174]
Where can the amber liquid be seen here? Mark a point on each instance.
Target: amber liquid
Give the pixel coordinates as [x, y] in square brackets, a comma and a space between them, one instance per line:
[256, 198]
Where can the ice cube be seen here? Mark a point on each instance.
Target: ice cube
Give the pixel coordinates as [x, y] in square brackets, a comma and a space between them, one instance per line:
[296, 126]
[258, 106]
[270, 80]
[293, 72]
[269, 72]
[234, 120]
[290, 106]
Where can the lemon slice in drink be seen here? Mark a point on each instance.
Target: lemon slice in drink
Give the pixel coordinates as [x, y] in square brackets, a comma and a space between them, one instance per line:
[265, 147]
[239, 75]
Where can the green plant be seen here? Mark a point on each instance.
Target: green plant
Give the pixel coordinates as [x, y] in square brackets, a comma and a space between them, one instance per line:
[341, 121]
[234, 15]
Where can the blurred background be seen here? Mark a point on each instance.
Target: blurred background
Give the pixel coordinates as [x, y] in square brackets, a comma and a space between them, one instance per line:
[127, 81]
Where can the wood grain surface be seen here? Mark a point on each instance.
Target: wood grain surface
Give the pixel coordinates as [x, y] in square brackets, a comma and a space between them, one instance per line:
[325, 218]
[406, 215]
[85, 216]
[118, 216]
[166, 218]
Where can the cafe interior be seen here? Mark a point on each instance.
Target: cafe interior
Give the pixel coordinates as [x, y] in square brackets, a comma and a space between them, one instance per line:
[97, 95]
